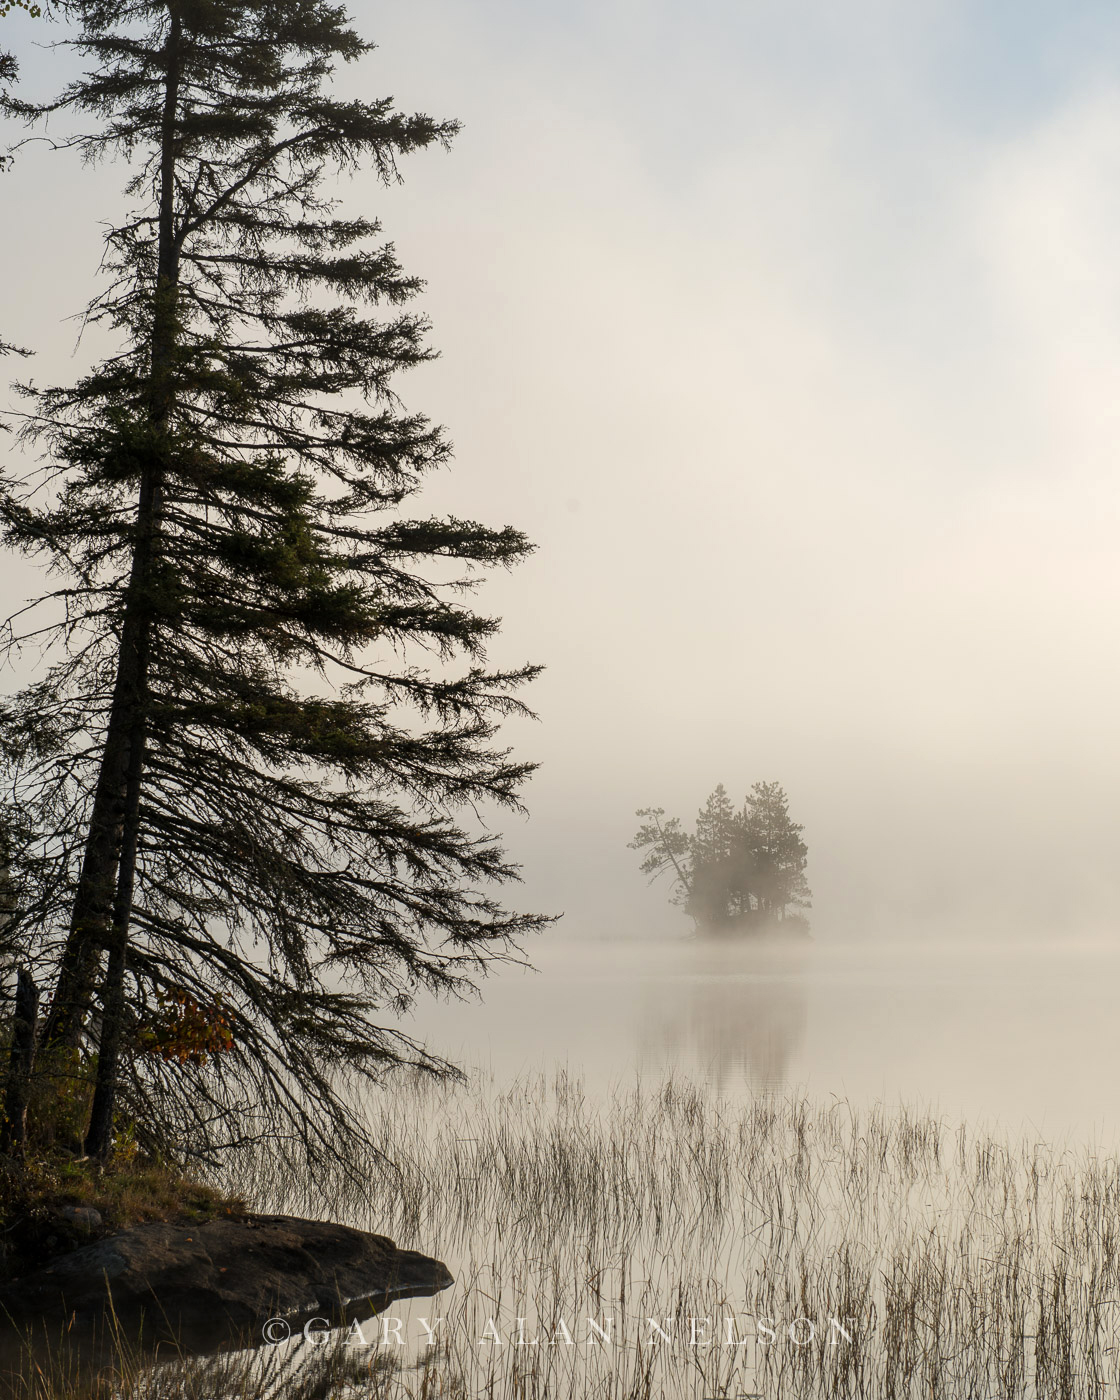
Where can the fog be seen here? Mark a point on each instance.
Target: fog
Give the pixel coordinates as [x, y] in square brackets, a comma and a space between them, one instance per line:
[790, 334]
[1020, 1044]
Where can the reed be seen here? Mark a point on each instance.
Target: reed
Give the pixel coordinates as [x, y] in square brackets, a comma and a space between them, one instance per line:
[889, 1253]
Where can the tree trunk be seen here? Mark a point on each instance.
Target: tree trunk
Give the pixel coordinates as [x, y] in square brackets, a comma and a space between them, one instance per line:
[93, 924]
[21, 1061]
[99, 1135]
[89, 923]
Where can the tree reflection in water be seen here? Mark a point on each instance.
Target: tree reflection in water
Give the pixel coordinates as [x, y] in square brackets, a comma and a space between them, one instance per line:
[735, 1014]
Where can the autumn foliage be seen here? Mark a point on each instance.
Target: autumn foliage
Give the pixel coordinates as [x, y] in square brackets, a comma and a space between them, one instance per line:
[186, 1032]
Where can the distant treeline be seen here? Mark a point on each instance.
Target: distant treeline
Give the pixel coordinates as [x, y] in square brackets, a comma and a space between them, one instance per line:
[739, 871]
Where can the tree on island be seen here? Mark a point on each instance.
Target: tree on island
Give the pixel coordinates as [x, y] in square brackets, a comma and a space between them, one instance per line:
[740, 871]
[235, 789]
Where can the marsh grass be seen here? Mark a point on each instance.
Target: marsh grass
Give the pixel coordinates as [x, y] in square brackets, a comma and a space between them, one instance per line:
[320, 1375]
[960, 1263]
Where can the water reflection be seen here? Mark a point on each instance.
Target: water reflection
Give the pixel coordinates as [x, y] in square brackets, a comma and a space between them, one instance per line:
[736, 1014]
[1024, 1034]
[86, 1357]
[40, 1368]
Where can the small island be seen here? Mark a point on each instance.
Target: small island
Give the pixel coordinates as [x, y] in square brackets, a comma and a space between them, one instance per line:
[740, 873]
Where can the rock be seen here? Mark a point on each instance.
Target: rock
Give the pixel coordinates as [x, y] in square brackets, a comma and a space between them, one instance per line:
[85, 1216]
[211, 1286]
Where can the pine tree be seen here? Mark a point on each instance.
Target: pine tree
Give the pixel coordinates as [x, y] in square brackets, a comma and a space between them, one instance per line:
[779, 853]
[714, 841]
[241, 765]
[668, 849]
[714, 849]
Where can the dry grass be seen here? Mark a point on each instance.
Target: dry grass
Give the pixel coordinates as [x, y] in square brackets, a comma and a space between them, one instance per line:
[125, 1194]
[33, 1199]
[962, 1265]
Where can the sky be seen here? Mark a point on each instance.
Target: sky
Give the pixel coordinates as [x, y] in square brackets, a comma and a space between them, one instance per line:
[790, 332]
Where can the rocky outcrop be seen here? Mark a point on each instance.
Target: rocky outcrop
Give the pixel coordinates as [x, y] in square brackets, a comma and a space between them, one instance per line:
[207, 1287]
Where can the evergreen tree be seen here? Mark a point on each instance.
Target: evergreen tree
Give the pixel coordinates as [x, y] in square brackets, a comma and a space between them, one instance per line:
[668, 849]
[240, 765]
[779, 853]
[716, 830]
[714, 894]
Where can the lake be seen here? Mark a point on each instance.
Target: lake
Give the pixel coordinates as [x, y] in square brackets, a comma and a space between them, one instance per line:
[1021, 1037]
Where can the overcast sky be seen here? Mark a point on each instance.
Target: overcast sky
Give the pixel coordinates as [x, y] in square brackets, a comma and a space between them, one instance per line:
[790, 331]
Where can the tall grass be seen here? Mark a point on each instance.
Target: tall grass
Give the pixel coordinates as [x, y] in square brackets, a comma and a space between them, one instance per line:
[959, 1264]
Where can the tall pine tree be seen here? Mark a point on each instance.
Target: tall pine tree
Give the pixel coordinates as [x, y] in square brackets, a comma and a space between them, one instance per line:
[270, 697]
[715, 859]
[779, 854]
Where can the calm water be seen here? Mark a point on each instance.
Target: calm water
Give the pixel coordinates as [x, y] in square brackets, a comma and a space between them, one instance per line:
[1024, 1037]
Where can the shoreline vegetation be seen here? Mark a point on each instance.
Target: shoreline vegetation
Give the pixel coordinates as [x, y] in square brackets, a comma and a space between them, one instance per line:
[958, 1261]
[54, 1197]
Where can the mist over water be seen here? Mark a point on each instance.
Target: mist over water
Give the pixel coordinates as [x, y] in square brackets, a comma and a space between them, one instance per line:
[1020, 1038]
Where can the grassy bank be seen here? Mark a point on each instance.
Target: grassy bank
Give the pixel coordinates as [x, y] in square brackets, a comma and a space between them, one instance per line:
[45, 1204]
[957, 1263]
